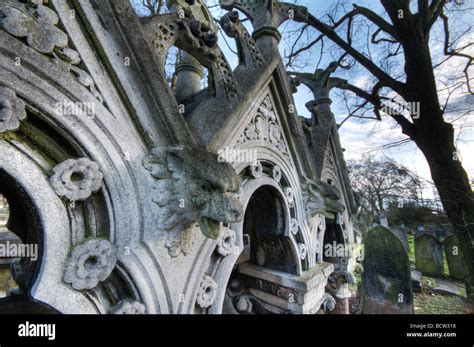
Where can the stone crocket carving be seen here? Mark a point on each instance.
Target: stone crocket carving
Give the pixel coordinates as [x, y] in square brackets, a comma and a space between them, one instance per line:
[192, 186]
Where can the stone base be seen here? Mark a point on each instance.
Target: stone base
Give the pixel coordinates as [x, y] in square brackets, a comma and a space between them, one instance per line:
[282, 292]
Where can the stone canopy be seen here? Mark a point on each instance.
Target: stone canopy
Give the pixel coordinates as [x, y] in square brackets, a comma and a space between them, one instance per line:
[126, 183]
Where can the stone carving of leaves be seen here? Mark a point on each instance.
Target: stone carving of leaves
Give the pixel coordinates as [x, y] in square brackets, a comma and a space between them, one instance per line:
[35, 23]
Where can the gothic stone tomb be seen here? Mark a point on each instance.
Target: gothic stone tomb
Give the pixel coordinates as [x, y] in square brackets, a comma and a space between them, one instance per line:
[135, 190]
[386, 280]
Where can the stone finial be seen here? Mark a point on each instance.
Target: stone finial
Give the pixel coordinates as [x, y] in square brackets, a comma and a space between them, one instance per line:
[320, 82]
[189, 74]
[267, 15]
[249, 53]
[193, 8]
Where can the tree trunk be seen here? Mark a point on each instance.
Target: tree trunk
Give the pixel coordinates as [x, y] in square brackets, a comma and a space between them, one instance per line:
[455, 192]
[435, 138]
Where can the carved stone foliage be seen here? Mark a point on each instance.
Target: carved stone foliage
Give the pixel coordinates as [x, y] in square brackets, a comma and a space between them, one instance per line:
[76, 180]
[248, 52]
[36, 23]
[207, 292]
[321, 198]
[129, 307]
[12, 110]
[191, 185]
[264, 127]
[89, 263]
[267, 13]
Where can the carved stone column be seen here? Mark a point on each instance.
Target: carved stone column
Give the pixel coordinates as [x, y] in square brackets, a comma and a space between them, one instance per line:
[189, 74]
[323, 120]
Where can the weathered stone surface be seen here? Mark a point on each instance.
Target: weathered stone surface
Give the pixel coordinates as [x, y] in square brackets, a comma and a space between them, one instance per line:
[136, 212]
[416, 281]
[449, 287]
[429, 255]
[386, 280]
[402, 235]
[454, 257]
[90, 263]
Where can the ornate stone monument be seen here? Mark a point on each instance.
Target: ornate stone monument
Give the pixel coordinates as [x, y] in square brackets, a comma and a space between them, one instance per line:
[118, 175]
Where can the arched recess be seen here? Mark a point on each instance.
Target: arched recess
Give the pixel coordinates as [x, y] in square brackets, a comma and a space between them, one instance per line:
[47, 224]
[335, 237]
[266, 225]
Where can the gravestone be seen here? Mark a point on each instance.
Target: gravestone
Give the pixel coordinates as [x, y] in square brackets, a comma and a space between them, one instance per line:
[386, 280]
[429, 255]
[454, 257]
[402, 235]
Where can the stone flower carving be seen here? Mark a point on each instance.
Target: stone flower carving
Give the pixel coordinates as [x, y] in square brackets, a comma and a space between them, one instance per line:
[207, 292]
[12, 110]
[89, 263]
[276, 173]
[302, 250]
[294, 226]
[129, 307]
[226, 243]
[35, 23]
[289, 194]
[76, 179]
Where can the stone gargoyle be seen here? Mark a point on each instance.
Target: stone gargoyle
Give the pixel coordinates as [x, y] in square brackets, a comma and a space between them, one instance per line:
[321, 198]
[192, 186]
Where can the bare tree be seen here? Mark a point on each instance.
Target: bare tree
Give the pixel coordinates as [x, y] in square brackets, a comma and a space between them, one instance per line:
[405, 74]
[379, 182]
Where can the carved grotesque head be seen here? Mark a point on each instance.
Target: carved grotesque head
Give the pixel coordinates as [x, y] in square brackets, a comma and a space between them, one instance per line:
[193, 186]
